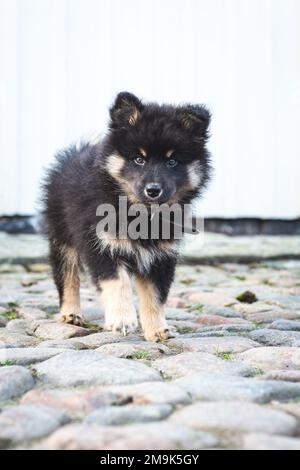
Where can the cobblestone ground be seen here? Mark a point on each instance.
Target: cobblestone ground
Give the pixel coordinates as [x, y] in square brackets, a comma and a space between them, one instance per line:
[229, 379]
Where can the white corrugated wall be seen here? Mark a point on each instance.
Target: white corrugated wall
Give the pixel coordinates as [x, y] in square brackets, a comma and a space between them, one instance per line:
[62, 61]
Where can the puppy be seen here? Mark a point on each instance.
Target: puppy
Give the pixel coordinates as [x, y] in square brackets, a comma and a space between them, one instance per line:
[152, 155]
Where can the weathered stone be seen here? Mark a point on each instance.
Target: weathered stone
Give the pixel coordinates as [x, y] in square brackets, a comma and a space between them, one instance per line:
[212, 298]
[258, 441]
[39, 268]
[183, 326]
[17, 326]
[11, 268]
[92, 312]
[206, 325]
[78, 368]
[286, 325]
[215, 388]
[25, 356]
[143, 350]
[275, 337]
[95, 340]
[26, 422]
[227, 344]
[3, 321]
[199, 362]
[288, 375]
[14, 381]
[270, 358]
[154, 436]
[213, 320]
[120, 415]
[273, 313]
[175, 302]
[152, 392]
[231, 328]
[257, 307]
[291, 408]
[62, 344]
[55, 330]
[11, 339]
[75, 402]
[180, 315]
[235, 417]
[31, 313]
[225, 312]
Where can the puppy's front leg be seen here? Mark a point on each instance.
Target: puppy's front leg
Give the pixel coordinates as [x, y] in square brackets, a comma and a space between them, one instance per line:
[117, 297]
[153, 291]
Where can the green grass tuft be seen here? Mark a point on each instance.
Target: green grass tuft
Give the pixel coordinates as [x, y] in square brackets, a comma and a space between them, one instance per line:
[141, 354]
[6, 363]
[13, 305]
[11, 315]
[92, 326]
[187, 282]
[198, 308]
[225, 356]
[240, 278]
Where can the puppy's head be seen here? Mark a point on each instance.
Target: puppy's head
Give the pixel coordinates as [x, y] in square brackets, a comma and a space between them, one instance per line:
[158, 153]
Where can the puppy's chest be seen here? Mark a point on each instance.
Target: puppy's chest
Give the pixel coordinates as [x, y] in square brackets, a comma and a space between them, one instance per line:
[140, 256]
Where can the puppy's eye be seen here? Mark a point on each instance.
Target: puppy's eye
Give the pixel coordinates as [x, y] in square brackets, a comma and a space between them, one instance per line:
[171, 163]
[139, 160]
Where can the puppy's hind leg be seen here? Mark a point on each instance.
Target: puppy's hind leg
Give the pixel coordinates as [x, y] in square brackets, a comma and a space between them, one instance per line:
[65, 265]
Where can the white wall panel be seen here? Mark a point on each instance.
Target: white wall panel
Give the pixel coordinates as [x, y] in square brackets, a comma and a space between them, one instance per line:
[62, 62]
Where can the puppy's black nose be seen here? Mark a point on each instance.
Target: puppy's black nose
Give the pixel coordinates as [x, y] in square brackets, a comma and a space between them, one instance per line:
[153, 190]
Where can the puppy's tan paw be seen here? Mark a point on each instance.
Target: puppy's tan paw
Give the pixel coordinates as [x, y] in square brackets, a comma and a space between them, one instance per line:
[160, 334]
[72, 318]
[123, 326]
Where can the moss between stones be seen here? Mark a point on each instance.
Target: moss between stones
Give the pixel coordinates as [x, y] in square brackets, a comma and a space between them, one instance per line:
[142, 354]
[11, 315]
[198, 308]
[225, 356]
[240, 278]
[247, 297]
[6, 363]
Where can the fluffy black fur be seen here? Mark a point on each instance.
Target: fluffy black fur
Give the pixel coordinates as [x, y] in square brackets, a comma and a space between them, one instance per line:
[82, 178]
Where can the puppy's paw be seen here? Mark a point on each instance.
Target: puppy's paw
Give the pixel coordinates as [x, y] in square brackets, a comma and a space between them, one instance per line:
[160, 334]
[72, 318]
[122, 325]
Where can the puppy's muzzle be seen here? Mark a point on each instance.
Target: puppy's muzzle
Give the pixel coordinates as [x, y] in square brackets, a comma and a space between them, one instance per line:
[153, 190]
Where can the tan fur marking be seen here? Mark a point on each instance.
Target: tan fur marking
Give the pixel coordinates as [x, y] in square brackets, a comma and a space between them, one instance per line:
[117, 298]
[152, 314]
[169, 153]
[144, 257]
[143, 152]
[116, 245]
[194, 175]
[134, 117]
[194, 180]
[70, 309]
[115, 164]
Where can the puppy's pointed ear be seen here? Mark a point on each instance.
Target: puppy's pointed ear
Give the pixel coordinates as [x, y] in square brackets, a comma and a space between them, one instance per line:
[126, 110]
[195, 118]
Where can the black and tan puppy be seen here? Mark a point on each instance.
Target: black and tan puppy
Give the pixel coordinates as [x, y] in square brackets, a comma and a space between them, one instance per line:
[152, 154]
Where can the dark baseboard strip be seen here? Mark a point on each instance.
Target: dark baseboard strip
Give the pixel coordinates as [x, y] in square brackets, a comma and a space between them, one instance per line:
[215, 260]
[252, 226]
[233, 226]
